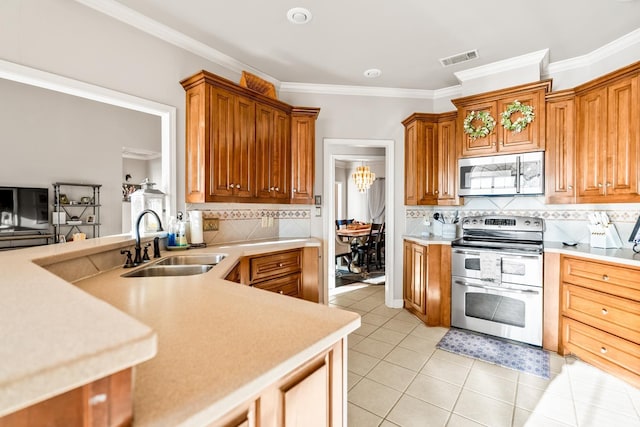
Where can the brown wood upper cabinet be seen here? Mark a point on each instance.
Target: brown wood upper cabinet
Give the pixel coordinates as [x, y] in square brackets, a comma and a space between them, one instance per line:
[430, 159]
[561, 146]
[502, 141]
[608, 135]
[242, 146]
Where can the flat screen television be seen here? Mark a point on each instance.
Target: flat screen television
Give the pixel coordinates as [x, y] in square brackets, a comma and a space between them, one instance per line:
[24, 210]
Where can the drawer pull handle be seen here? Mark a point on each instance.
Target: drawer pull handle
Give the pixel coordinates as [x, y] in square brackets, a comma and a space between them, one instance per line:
[603, 350]
[605, 312]
[97, 399]
[280, 264]
[281, 292]
[605, 277]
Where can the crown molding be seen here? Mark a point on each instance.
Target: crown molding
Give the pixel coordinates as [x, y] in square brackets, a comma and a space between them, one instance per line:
[143, 23]
[539, 58]
[325, 89]
[628, 40]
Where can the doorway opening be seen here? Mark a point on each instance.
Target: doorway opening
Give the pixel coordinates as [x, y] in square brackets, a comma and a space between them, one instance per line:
[350, 150]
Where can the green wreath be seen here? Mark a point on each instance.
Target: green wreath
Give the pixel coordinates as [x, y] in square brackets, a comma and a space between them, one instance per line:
[527, 116]
[488, 124]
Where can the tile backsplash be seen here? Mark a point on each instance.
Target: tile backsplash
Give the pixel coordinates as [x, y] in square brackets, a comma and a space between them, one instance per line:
[240, 222]
[562, 222]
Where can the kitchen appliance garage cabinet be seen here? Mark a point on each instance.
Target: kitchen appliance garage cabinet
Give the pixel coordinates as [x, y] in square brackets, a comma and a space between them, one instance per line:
[242, 146]
[501, 140]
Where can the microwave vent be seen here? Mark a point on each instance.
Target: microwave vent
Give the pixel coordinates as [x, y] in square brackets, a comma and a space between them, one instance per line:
[461, 57]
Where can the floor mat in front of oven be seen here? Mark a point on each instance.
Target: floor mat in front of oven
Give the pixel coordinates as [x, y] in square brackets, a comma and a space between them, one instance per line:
[510, 354]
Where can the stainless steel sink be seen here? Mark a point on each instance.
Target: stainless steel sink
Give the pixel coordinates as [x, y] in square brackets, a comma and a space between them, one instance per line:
[156, 270]
[195, 259]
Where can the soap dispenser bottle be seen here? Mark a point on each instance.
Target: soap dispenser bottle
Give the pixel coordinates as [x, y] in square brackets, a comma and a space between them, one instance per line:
[181, 231]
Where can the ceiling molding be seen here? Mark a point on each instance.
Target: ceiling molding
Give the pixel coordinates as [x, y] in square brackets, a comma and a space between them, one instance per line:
[326, 89]
[597, 55]
[539, 58]
[168, 34]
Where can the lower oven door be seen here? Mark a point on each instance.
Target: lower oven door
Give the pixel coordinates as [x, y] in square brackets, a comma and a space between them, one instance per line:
[507, 310]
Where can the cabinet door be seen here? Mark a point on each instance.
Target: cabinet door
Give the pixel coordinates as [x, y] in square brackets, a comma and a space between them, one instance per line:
[560, 152]
[280, 155]
[264, 137]
[197, 147]
[447, 163]
[411, 164]
[307, 401]
[243, 156]
[221, 143]
[427, 168]
[303, 155]
[592, 145]
[623, 114]
[415, 280]
[479, 146]
[532, 137]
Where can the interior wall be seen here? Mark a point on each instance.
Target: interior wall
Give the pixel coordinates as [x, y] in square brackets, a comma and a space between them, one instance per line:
[53, 137]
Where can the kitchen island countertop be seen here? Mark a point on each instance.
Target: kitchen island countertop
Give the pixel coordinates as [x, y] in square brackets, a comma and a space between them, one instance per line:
[218, 343]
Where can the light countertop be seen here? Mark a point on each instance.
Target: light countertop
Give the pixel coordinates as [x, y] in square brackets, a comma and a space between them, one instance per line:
[620, 256]
[218, 343]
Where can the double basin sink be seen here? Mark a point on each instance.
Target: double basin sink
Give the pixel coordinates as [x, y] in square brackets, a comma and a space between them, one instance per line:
[179, 265]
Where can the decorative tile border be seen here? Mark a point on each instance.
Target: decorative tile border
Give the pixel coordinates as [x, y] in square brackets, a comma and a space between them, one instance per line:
[253, 214]
[629, 216]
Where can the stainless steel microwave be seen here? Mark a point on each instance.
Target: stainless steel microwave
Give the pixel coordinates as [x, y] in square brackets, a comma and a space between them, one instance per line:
[503, 175]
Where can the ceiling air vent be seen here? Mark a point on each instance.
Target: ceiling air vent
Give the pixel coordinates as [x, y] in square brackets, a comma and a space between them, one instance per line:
[461, 57]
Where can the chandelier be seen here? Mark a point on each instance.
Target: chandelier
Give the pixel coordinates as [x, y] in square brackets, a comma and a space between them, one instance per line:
[363, 177]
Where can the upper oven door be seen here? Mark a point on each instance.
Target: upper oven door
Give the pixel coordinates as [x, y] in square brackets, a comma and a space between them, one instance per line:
[492, 266]
[502, 175]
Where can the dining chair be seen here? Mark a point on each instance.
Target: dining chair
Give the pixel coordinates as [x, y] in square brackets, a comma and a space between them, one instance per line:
[343, 248]
[370, 248]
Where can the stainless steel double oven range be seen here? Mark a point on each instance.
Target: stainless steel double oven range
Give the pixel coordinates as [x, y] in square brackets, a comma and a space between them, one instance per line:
[496, 277]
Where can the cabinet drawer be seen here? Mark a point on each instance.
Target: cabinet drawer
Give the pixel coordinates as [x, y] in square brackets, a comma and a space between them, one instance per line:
[287, 285]
[613, 279]
[618, 316]
[273, 265]
[602, 349]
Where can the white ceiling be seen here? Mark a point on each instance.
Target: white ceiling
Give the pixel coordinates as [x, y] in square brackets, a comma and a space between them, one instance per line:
[404, 38]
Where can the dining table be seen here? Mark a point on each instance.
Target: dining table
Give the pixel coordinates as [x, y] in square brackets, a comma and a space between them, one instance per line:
[355, 237]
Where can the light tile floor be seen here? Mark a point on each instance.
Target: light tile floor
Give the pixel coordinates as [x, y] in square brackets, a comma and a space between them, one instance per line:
[397, 377]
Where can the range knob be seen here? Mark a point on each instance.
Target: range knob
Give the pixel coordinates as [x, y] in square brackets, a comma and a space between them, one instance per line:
[527, 222]
[536, 223]
[475, 221]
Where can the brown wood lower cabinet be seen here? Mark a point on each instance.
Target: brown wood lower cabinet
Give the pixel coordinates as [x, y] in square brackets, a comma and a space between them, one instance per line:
[310, 395]
[292, 272]
[427, 282]
[600, 315]
[106, 402]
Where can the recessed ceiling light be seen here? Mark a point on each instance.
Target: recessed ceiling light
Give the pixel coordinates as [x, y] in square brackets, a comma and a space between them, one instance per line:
[372, 73]
[299, 15]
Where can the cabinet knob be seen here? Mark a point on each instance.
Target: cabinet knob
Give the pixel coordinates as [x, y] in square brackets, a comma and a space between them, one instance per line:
[237, 185]
[599, 185]
[436, 192]
[570, 187]
[230, 185]
[280, 264]
[271, 188]
[493, 143]
[605, 312]
[277, 188]
[294, 190]
[502, 143]
[281, 292]
[608, 184]
[605, 277]
[603, 350]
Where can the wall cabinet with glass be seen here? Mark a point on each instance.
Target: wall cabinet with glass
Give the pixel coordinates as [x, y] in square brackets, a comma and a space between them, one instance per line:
[76, 209]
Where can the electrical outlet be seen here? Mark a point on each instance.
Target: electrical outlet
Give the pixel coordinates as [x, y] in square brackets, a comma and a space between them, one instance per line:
[210, 224]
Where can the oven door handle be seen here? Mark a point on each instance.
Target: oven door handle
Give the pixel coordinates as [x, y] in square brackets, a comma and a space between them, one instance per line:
[518, 172]
[496, 288]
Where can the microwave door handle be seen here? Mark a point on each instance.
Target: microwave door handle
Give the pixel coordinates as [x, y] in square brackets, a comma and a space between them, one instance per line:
[518, 174]
[496, 288]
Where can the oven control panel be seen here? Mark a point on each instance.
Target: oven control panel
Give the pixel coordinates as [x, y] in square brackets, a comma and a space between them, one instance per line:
[500, 222]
